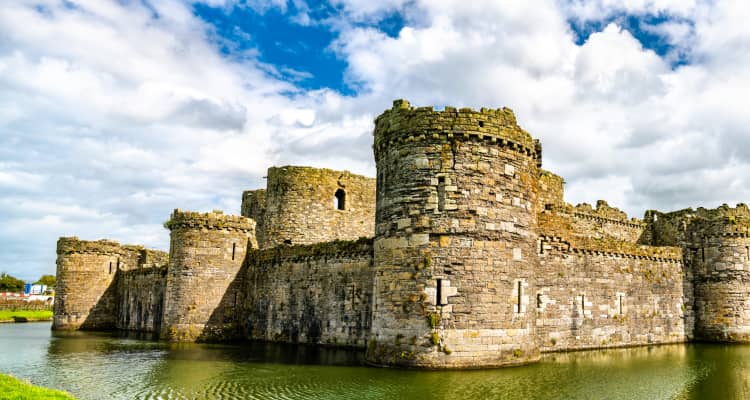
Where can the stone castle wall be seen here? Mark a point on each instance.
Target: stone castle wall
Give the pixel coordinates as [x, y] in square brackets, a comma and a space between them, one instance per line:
[314, 294]
[462, 253]
[299, 206]
[140, 298]
[609, 297]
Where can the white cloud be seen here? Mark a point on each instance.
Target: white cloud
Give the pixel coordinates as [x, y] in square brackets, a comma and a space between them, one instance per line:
[112, 114]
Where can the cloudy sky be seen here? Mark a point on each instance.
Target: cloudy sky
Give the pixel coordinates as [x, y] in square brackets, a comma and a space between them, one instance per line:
[114, 113]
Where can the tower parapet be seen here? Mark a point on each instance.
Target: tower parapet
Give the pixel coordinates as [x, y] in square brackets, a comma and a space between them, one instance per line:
[207, 251]
[455, 239]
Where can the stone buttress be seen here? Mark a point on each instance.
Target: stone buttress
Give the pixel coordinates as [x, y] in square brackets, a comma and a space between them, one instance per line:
[207, 251]
[455, 243]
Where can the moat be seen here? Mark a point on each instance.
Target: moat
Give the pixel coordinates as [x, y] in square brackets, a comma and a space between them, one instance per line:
[105, 365]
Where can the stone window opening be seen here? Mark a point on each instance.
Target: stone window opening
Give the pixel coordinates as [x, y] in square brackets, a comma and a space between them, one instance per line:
[539, 302]
[288, 241]
[541, 247]
[339, 200]
[118, 265]
[583, 304]
[441, 193]
[621, 299]
[110, 267]
[481, 124]
[747, 252]
[703, 254]
[520, 295]
[234, 247]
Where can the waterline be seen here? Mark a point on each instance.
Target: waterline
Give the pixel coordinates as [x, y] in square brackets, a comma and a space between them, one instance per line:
[98, 365]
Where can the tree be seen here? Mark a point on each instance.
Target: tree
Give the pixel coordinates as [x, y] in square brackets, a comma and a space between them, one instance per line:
[10, 284]
[48, 280]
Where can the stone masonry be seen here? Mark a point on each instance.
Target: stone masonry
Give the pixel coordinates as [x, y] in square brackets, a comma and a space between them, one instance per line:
[461, 253]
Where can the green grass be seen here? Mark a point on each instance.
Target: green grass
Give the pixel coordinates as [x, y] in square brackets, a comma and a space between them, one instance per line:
[25, 315]
[14, 389]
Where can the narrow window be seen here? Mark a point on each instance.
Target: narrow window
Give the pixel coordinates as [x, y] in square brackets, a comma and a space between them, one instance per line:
[747, 251]
[703, 254]
[621, 304]
[541, 247]
[481, 124]
[339, 200]
[538, 300]
[439, 294]
[583, 304]
[520, 293]
[441, 193]
[118, 264]
[234, 246]
[110, 267]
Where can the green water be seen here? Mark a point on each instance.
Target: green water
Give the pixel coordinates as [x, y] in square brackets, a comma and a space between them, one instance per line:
[104, 366]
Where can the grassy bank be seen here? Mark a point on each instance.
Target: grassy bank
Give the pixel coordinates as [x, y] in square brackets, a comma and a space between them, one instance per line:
[25, 315]
[14, 389]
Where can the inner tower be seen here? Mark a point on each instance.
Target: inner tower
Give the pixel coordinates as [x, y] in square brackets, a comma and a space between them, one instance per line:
[455, 242]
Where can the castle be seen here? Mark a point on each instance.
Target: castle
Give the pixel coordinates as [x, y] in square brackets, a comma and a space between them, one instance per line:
[461, 253]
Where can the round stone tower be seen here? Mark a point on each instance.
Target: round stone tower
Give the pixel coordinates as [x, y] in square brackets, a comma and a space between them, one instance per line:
[719, 248]
[207, 251]
[455, 242]
[86, 270]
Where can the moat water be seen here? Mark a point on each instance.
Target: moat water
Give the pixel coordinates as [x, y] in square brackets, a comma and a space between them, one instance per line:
[107, 366]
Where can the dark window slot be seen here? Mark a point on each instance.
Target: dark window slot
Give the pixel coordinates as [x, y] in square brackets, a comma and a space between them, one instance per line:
[439, 293]
[520, 293]
[340, 200]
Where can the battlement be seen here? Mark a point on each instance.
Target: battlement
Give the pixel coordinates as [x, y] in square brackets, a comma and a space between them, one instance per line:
[692, 226]
[211, 220]
[404, 123]
[337, 248]
[603, 213]
[554, 227]
[70, 245]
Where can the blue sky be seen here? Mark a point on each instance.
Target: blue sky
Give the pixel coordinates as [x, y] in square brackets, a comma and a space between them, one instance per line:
[114, 113]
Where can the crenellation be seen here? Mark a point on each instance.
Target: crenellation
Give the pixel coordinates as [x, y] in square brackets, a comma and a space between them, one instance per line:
[461, 253]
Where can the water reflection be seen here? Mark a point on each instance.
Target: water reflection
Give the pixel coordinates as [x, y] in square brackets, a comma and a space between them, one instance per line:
[96, 366]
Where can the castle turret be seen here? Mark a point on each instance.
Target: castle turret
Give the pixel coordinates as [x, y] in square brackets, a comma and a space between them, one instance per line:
[303, 205]
[207, 251]
[455, 243]
[719, 248]
[86, 271]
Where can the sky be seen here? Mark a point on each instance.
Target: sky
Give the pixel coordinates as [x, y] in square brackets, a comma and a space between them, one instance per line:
[112, 114]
